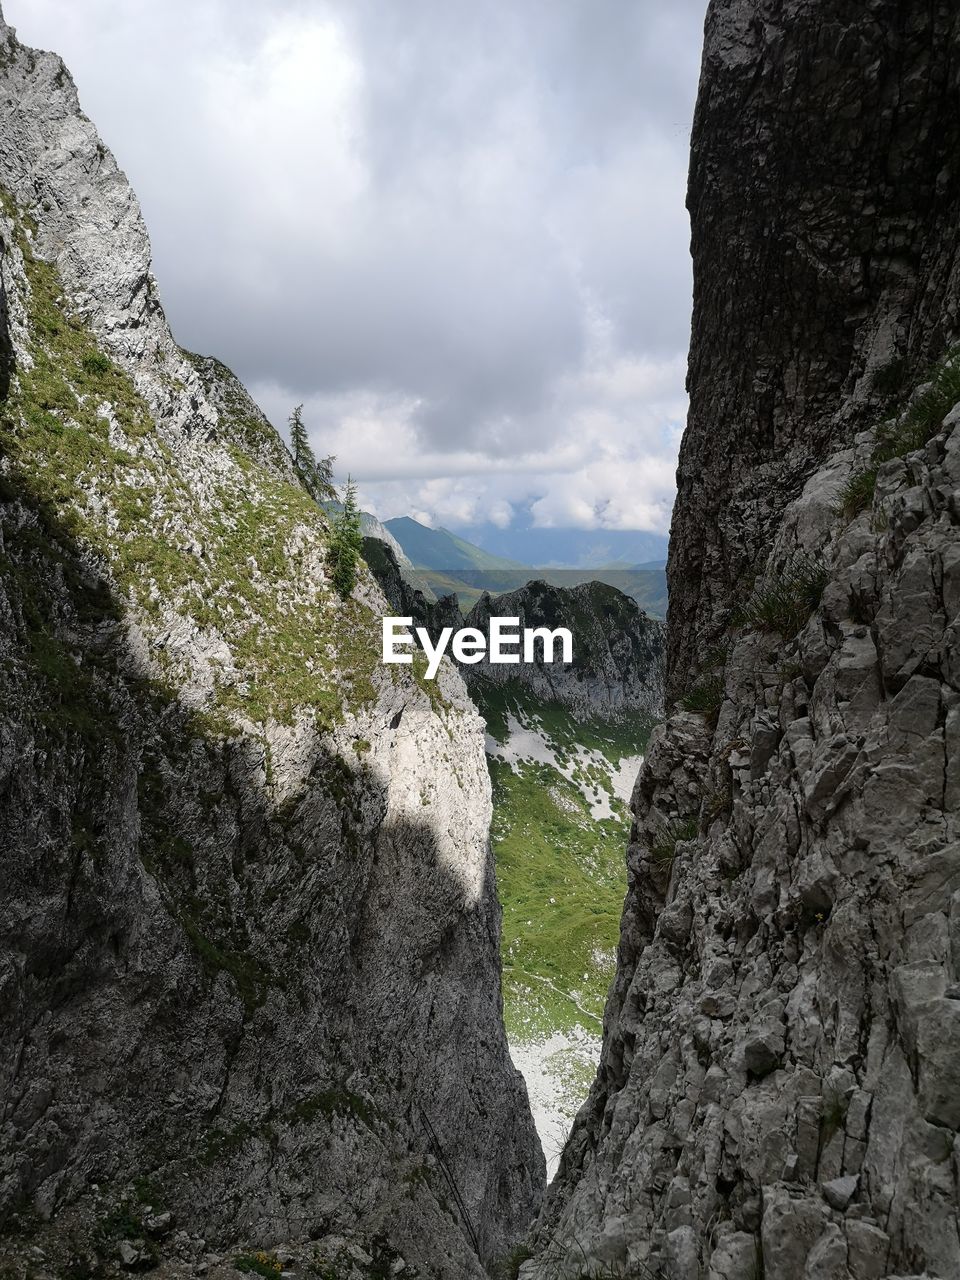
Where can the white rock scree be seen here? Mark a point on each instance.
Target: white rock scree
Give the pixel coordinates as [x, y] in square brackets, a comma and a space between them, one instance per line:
[470, 645]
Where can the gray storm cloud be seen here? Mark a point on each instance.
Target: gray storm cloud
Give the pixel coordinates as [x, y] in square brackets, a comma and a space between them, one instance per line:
[455, 231]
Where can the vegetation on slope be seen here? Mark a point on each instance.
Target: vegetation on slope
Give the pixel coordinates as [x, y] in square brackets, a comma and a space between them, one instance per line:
[241, 557]
[912, 429]
[560, 870]
[561, 882]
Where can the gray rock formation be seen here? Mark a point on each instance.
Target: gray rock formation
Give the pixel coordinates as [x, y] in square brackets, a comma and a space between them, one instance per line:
[249, 974]
[617, 667]
[405, 600]
[824, 203]
[778, 1089]
[372, 528]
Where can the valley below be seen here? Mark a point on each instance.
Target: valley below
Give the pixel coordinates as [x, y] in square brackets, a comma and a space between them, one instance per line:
[561, 818]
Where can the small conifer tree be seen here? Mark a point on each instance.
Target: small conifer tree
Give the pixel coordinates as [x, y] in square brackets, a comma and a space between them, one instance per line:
[323, 479]
[299, 442]
[346, 543]
[316, 477]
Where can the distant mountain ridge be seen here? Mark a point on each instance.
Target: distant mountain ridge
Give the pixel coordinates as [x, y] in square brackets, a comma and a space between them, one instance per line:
[428, 548]
[572, 548]
[490, 547]
[440, 563]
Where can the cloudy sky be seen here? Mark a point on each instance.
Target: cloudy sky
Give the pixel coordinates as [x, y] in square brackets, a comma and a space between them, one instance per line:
[454, 230]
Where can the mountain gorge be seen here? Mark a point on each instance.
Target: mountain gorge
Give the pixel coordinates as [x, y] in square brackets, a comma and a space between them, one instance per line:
[564, 743]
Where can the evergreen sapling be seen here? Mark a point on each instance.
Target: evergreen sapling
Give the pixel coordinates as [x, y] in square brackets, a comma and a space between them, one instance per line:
[346, 543]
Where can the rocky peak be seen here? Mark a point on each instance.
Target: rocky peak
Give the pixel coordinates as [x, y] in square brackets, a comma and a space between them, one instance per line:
[617, 667]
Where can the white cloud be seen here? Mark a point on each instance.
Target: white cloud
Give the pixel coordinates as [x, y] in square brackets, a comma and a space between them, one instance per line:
[456, 233]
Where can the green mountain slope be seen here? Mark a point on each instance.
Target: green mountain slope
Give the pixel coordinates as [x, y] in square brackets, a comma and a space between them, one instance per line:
[560, 826]
[440, 549]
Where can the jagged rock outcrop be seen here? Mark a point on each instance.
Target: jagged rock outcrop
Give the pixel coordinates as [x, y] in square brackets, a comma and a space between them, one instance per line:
[617, 666]
[777, 1091]
[249, 968]
[405, 600]
[372, 528]
[824, 199]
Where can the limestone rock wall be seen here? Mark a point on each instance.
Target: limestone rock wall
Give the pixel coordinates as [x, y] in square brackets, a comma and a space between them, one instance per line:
[824, 197]
[777, 1092]
[780, 1071]
[249, 970]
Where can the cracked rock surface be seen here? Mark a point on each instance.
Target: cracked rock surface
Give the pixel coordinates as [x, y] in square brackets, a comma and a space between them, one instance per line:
[778, 1089]
[824, 201]
[249, 935]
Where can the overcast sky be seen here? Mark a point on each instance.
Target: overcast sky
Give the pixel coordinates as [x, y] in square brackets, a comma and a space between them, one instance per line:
[454, 229]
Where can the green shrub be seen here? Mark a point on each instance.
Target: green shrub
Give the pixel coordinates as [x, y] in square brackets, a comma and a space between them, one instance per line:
[664, 848]
[717, 804]
[706, 696]
[96, 363]
[924, 418]
[786, 603]
[857, 493]
[259, 1263]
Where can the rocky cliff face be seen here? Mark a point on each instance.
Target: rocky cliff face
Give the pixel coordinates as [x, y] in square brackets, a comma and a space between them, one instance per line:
[824, 199]
[249, 973]
[404, 599]
[778, 1090]
[617, 667]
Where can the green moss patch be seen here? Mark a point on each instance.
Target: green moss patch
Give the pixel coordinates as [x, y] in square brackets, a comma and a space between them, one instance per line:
[243, 561]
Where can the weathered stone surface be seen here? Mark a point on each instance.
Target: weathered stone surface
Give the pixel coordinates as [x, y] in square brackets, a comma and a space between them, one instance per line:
[838, 1192]
[823, 199]
[800, 1072]
[248, 935]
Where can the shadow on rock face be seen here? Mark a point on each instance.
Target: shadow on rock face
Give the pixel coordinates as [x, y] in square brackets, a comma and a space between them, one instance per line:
[271, 1015]
[6, 346]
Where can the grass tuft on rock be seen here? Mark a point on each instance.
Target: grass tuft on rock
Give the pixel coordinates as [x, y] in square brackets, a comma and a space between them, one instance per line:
[663, 851]
[924, 417]
[857, 493]
[705, 698]
[784, 604]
